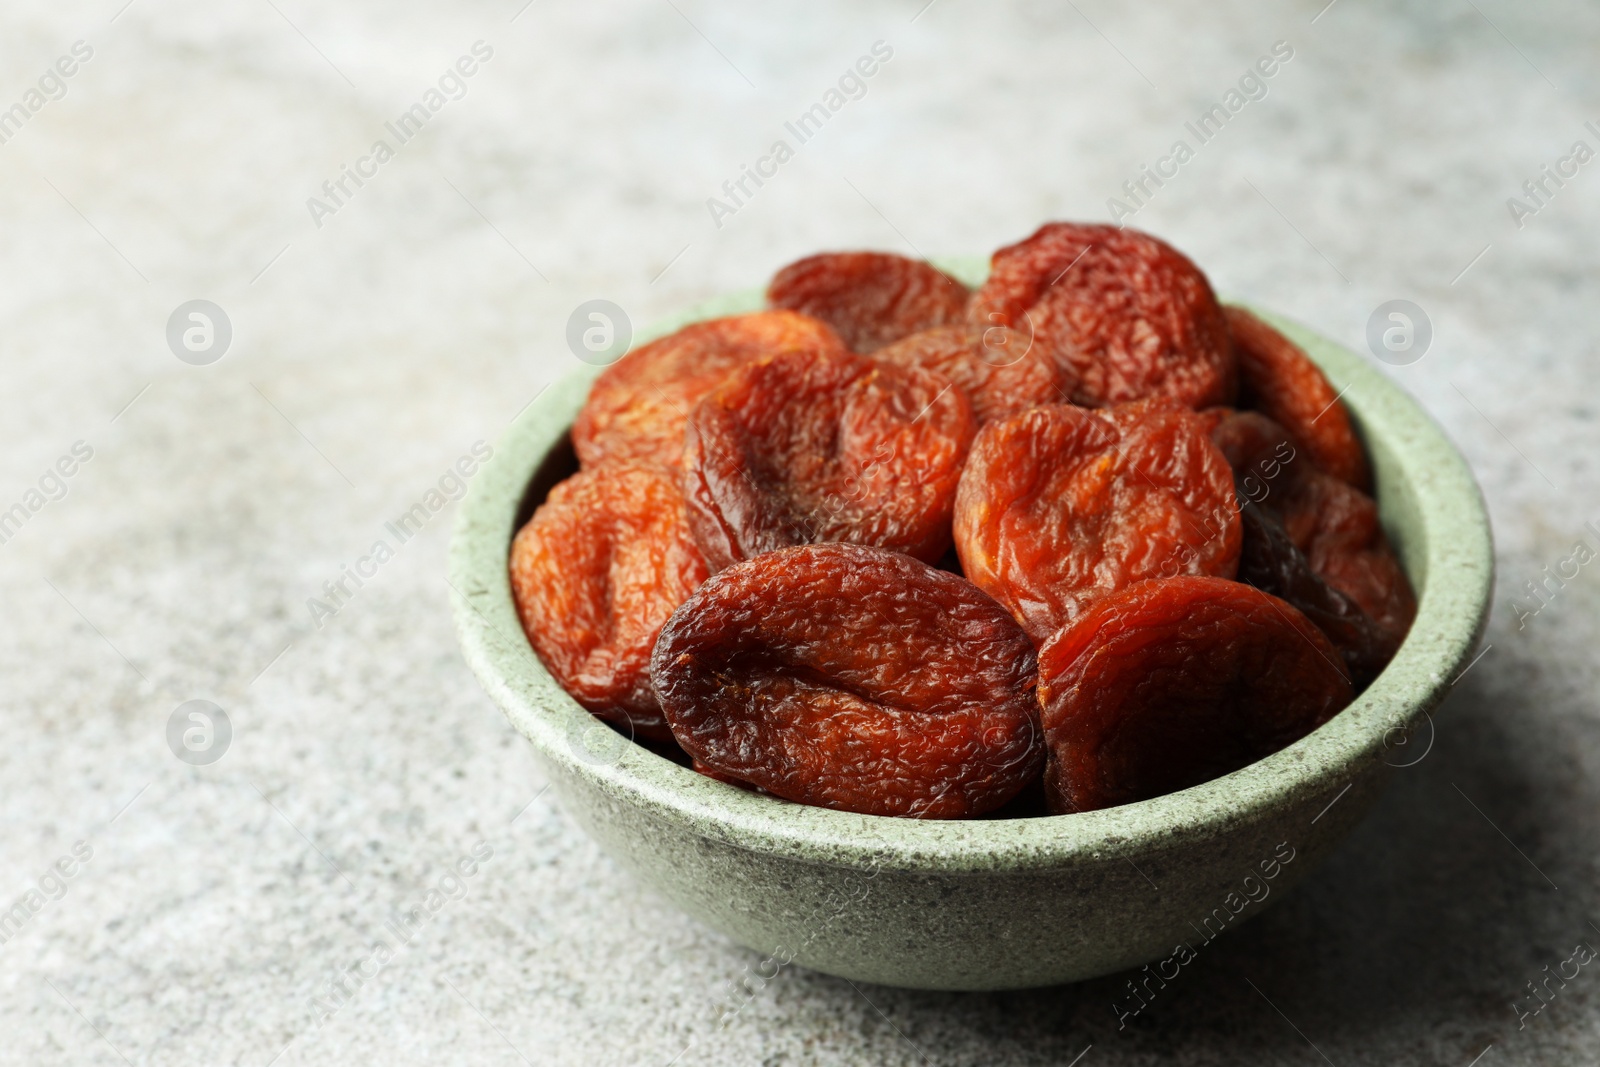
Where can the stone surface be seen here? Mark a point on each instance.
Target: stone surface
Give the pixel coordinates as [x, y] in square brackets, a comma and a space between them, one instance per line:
[370, 353]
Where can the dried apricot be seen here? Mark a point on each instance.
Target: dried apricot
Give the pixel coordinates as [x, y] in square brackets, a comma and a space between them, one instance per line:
[637, 407]
[1334, 524]
[702, 767]
[595, 574]
[871, 298]
[1173, 682]
[994, 367]
[1265, 457]
[810, 447]
[1279, 380]
[1060, 506]
[1269, 561]
[1128, 315]
[1337, 527]
[853, 678]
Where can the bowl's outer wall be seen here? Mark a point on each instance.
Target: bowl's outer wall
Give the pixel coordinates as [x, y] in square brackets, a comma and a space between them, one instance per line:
[972, 930]
[989, 904]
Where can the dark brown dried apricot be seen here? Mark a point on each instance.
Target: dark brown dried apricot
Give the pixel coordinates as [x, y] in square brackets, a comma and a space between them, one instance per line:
[595, 574]
[853, 678]
[1129, 315]
[1060, 506]
[993, 366]
[1334, 524]
[637, 407]
[1174, 682]
[1264, 456]
[811, 447]
[1337, 527]
[1279, 380]
[871, 298]
[1269, 561]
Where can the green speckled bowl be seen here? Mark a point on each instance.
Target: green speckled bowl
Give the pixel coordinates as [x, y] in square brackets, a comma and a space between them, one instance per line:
[987, 904]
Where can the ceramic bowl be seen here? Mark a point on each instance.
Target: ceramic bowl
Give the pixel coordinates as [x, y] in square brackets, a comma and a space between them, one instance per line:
[989, 904]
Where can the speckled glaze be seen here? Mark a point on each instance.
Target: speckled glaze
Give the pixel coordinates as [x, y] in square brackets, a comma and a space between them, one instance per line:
[991, 904]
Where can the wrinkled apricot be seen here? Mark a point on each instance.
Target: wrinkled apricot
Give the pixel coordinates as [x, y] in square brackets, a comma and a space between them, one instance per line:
[1173, 682]
[1265, 458]
[702, 767]
[853, 678]
[1337, 528]
[871, 298]
[595, 574]
[1269, 561]
[1060, 506]
[637, 407]
[1334, 524]
[1129, 316]
[994, 367]
[812, 447]
[1279, 380]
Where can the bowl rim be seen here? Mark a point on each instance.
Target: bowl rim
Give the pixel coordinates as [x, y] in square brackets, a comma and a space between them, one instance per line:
[1453, 566]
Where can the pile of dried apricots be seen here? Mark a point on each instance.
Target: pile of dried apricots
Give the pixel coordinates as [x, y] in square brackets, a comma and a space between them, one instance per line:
[1079, 538]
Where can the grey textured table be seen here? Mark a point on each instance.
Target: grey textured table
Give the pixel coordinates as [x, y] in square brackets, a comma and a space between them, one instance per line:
[380, 333]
